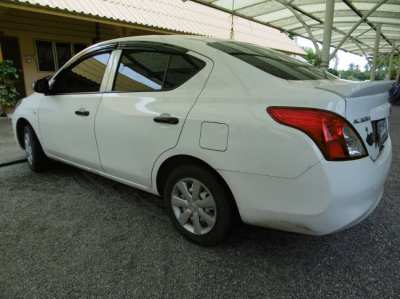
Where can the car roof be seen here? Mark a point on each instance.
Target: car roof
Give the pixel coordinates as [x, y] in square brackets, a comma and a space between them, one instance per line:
[190, 42]
[185, 41]
[157, 38]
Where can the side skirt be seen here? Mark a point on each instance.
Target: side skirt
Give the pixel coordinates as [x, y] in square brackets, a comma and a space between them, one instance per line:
[104, 174]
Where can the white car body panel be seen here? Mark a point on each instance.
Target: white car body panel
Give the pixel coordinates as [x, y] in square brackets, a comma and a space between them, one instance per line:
[277, 175]
[133, 114]
[28, 110]
[57, 119]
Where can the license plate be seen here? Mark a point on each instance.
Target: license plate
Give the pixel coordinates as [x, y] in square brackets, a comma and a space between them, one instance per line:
[381, 131]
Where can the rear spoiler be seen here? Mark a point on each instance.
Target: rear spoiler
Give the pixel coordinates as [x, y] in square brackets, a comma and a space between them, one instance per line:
[358, 89]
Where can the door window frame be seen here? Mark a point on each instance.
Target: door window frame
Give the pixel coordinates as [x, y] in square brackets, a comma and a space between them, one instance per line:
[149, 47]
[76, 61]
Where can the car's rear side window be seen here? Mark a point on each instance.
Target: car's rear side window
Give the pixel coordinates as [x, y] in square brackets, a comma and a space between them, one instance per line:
[148, 70]
[271, 62]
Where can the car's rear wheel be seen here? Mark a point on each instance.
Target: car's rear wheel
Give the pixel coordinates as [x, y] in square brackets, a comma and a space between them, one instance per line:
[35, 156]
[199, 205]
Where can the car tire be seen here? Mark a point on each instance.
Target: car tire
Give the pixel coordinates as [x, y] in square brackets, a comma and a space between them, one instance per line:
[35, 156]
[199, 204]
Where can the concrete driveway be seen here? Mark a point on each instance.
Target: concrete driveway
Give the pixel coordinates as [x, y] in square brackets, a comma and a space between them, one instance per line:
[68, 233]
[9, 150]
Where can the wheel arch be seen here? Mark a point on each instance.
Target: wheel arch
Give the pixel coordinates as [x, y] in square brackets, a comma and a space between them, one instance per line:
[181, 159]
[20, 125]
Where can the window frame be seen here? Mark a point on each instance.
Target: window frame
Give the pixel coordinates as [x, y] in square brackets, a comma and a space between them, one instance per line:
[145, 46]
[54, 52]
[79, 60]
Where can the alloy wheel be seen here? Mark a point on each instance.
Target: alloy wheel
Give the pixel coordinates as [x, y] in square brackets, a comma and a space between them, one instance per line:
[194, 206]
[28, 148]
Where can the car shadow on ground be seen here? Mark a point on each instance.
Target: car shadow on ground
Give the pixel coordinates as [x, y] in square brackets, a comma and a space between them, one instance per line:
[242, 234]
[67, 232]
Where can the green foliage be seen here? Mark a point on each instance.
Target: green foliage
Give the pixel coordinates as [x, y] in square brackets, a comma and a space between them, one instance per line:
[8, 77]
[354, 73]
[333, 72]
[312, 57]
[395, 67]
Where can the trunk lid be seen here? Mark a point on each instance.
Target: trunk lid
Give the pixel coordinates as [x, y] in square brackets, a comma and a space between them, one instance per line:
[367, 109]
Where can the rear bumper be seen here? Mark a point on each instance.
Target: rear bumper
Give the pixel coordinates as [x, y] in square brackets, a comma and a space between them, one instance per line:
[328, 197]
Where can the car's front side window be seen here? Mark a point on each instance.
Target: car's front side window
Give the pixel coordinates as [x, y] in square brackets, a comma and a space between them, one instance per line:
[85, 76]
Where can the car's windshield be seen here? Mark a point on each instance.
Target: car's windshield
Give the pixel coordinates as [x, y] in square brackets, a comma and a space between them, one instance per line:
[272, 62]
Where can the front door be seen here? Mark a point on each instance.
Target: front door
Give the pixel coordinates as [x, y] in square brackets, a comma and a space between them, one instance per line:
[143, 113]
[11, 51]
[67, 115]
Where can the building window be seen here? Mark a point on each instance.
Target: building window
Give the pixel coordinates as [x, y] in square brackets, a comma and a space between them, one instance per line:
[45, 56]
[64, 53]
[53, 55]
[79, 47]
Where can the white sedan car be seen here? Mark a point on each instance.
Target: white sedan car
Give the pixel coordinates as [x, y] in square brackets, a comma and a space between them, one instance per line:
[222, 130]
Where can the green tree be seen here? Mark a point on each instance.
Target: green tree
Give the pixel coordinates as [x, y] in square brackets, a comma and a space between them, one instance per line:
[312, 57]
[354, 73]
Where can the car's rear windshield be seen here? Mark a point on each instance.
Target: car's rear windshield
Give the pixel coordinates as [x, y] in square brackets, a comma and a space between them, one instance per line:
[272, 62]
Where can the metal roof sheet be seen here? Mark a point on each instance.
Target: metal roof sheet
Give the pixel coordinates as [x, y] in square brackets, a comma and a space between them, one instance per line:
[173, 15]
[281, 14]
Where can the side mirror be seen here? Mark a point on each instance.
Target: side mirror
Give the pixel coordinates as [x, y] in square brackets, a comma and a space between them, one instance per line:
[41, 86]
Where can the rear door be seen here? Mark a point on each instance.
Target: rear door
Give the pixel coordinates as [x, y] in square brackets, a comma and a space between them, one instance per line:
[144, 110]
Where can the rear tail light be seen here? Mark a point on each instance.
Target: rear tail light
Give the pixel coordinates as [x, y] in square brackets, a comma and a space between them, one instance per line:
[335, 136]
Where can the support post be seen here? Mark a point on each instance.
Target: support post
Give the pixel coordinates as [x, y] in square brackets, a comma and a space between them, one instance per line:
[390, 67]
[328, 22]
[376, 52]
[232, 33]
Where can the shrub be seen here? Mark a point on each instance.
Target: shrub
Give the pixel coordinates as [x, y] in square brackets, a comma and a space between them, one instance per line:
[8, 77]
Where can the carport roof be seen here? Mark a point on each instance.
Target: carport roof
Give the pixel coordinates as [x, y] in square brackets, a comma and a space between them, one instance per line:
[168, 15]
[306, 18]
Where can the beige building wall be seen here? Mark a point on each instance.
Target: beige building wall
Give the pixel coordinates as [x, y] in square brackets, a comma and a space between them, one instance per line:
[29, 27]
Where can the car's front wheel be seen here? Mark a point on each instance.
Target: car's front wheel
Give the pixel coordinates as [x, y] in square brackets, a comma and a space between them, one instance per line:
[35, 156]
[199, 205]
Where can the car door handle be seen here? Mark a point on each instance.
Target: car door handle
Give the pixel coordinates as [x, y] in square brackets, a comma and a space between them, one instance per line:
[166, 119]
[82, 112]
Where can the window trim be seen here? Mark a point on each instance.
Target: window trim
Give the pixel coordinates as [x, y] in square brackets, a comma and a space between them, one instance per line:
[76, 62]
[152, 46]
[149, 47]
